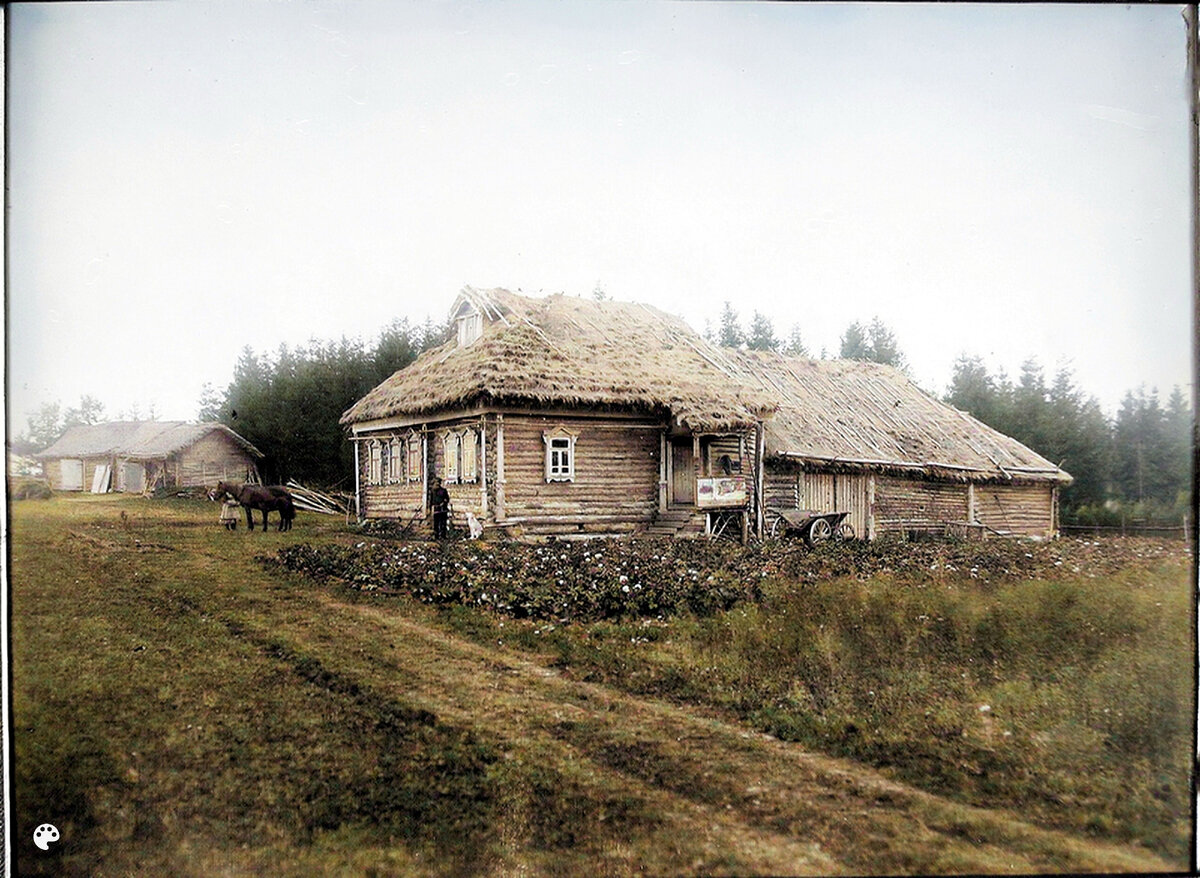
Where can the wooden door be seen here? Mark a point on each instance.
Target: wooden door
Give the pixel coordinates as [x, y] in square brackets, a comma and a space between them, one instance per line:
[135, 477]
[683, 474]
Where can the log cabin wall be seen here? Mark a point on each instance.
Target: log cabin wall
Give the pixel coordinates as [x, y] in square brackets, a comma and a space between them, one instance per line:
[400, 500]
[836, 492]
[213, 458]
[91, 464]
[787, 487]
[904, 503]
[616, 479]
[53, 472]
[465, 491]
[781, 489]
[1019, 509]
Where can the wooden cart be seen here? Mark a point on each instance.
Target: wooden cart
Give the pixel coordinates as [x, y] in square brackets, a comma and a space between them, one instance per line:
[811, 524]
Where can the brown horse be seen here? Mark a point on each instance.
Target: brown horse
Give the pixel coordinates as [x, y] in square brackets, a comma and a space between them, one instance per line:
[268, 498]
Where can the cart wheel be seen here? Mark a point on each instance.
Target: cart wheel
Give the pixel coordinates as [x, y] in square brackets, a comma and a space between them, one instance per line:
[778, 527]
[819, 531]
[845, 531]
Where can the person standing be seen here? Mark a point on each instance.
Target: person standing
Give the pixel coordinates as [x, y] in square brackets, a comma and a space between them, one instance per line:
[440, 501]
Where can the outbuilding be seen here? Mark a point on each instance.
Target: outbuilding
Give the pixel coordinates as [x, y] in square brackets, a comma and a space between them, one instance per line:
[141, 456]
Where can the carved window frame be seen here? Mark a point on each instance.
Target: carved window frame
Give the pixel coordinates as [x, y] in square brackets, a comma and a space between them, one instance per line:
[560, 454]
[414, 467]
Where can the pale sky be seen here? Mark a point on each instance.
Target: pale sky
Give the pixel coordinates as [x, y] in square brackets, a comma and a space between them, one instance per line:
[187, 178]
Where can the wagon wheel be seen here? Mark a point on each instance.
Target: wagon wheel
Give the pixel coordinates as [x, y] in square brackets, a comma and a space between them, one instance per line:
[778, 527]
[845, 531]
[818, 531]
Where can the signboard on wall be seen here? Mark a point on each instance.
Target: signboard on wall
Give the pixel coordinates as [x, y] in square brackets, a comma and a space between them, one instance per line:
[727, 491]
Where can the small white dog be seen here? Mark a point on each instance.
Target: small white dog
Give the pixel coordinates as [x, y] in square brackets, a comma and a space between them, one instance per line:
[474, 526]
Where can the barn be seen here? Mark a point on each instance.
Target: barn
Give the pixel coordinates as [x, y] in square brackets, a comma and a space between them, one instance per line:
[142, 456]
[566, 416]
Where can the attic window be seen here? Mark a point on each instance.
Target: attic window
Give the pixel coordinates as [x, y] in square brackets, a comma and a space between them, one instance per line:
[470, 327]
[560, 455]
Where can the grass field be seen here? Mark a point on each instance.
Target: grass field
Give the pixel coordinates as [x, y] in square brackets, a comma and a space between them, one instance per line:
[181, 708]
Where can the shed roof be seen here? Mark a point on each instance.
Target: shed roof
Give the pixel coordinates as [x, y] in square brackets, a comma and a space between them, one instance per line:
[137, 439]
[872, 416]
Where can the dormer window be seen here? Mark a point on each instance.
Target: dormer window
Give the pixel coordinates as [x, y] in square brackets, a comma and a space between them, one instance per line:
[470, 327]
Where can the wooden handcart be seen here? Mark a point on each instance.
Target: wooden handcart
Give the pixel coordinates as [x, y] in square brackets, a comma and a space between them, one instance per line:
[810, 524]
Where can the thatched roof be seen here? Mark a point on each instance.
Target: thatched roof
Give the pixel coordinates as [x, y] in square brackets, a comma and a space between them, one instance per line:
[138, 440]
[574, 352]
[855, 415]
[567, 351]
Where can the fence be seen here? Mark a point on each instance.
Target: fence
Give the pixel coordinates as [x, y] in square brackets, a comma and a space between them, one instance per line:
[1169, 532]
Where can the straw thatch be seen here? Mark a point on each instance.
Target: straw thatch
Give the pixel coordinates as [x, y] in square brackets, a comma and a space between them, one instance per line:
[573, 352]
[137, 440]
[566, 351]
[850, 415]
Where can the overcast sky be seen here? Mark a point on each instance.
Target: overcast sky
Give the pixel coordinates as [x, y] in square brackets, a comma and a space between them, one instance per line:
[187, 178]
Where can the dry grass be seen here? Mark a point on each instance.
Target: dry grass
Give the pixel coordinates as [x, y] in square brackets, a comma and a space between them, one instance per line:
[183, 711]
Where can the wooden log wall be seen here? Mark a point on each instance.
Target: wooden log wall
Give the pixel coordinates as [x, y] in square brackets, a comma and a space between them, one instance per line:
[904, 503]
[214, 458]
[399, 500]
[90, 465]
[786, 488]
[836, 492]
[616, 474]
[465, 496]
[1019, 509]
[53, 471]
[781, 489]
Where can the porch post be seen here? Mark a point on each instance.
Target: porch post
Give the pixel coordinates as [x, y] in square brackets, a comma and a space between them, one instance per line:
[499, 469]
[663, 478]
[759, 448]
[357, 484]
[483, 504]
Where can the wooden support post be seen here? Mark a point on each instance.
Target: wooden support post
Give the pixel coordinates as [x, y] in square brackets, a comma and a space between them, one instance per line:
[483, 504]
[499, 469]
[663, 476]
[357, 485]
[871, 507]
[759, 448]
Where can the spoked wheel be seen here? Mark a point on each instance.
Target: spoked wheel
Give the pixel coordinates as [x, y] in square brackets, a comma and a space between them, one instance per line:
[845, 531]
[778, 527]
[818, 532]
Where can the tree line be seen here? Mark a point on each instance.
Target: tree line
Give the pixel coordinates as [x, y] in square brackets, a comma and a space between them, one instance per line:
[1134, 466]
[289, 404]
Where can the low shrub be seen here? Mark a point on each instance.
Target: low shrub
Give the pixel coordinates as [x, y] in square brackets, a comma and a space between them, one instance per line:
[29, 489]
[559, 581]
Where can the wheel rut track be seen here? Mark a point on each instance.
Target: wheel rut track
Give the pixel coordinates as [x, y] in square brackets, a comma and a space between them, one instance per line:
[831, 815]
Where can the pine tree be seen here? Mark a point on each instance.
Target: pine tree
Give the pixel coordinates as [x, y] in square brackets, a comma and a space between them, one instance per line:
[762, 334]
[730, 335]
[883, 346]
[855, 345]
[794, 346]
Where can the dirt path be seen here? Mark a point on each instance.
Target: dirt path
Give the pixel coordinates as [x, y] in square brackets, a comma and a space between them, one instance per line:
[717, 786]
